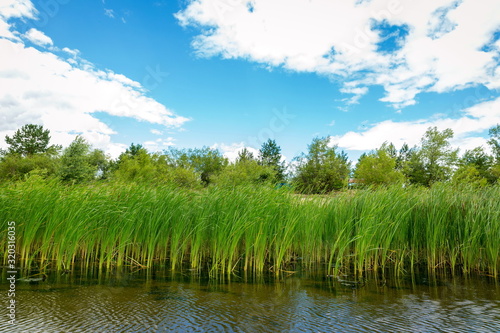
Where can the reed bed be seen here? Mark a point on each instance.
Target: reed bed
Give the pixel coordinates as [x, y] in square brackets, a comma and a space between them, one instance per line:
[253, 229]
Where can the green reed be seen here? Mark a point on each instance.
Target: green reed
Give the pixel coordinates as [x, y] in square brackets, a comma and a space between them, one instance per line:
[225, 230]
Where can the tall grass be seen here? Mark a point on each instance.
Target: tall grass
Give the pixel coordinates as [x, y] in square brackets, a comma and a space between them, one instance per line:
[252, 228]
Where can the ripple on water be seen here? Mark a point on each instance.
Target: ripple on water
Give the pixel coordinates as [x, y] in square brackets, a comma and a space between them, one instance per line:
[238, 307]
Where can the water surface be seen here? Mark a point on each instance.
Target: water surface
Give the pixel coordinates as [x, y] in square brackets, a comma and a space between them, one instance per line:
[159, 301]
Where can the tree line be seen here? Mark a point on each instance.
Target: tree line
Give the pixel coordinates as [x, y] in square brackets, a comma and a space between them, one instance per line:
[322, 169]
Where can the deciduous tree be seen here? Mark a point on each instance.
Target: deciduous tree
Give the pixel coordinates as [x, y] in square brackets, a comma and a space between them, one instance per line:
[79, 162]
[494, 142]
[434, 160]
[322, 169]
[207, 162]
[378, 168]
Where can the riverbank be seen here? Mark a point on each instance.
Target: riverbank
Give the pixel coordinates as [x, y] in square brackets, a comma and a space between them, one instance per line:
[252, 228]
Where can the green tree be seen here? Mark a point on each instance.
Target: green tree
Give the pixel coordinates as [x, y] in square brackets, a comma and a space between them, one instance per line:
[183, 177]
[404, 156]
[495, 172]
[245, 155]
[378, 168]
[15, 167]
[437, 154]
[270, 156]
[435, 159]
[470, 175]
[477, 157]
[389, 149]
[79, 162]
[207, 162]
[29, 151]
[494, 142]
[475, 165]
[137, 165]
[99, 160]
[244, 172]
[414, 168]
[30, 140]
[322, 169]
[135, 149]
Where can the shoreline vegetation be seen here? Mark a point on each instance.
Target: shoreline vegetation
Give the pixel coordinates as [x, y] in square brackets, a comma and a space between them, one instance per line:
[393, 211]
[253, 228]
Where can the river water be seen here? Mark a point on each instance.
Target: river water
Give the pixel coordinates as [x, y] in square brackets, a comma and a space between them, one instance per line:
[159, 301]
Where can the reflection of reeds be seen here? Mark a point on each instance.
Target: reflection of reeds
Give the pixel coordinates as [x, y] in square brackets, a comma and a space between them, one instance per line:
[253, 228]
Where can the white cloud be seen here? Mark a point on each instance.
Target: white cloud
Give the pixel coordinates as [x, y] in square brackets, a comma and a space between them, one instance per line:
[231, 151]
[109, 13]
[73, 53]
[443, 50]
[159, 144]
[156, 132]
[357, 91]
[62, 91]
[17, 8]
[14, 9]
[37, 37]
[5, 30]
[467, 128]
[123, 80]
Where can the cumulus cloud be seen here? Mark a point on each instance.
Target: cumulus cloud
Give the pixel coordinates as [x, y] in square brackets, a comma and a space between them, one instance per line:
[231, 151]
[156, 132]
[446, 44]
[63, 92]
[37, 37]
[467, 129]
[159, 144]
[14, 9]
[17, 8]
[357, 91]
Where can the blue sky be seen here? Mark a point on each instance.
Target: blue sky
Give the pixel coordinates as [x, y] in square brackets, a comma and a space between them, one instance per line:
[231, 74]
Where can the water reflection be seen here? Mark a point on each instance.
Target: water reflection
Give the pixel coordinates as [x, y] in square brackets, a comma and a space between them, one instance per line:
[156, 301]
